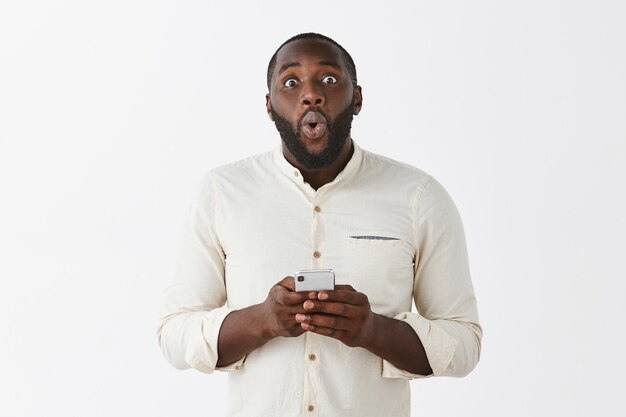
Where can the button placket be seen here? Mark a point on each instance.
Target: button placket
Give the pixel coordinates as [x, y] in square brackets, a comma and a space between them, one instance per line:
[318, 232]
[311, 356]
[312, 377]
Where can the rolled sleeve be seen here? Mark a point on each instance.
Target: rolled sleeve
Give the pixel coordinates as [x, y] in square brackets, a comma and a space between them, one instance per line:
[196, 302]
[438, 344]
[188, 339]
[446, 321]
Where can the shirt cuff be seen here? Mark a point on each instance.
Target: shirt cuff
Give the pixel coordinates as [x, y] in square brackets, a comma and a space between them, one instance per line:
[212, 335]
[438, 344]
[202, 355]
[233, 367]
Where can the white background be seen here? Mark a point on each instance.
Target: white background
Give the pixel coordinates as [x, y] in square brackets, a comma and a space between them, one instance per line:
[111, 111]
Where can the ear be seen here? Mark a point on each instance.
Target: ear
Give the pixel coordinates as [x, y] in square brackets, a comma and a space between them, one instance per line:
[358, 99]
[268, 106]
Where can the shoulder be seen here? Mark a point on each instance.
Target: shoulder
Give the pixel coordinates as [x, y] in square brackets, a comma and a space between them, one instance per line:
[395, 173]
[251, 168]
[420, 187]
[258, 162]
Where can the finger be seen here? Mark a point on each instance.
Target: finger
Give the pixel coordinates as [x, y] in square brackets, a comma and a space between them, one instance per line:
[287, 283]
[330, 307]
[287, 298]
[295, 330]
[325, 331]
[323, 294]
[326, 321]
[282, 295]
[344, 287]
[288, 313]
[343, 296]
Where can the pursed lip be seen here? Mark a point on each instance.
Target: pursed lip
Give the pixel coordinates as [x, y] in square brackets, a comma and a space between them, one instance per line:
[313, 124]
[313, 116]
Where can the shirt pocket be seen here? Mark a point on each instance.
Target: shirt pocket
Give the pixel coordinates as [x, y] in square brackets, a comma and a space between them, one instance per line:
[380, 265]
[382, 240]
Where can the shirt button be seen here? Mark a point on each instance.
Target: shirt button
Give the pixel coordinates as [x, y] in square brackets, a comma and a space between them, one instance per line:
[296, 173]
[312, 357]
[316, 254]
[310, 407]
[317, 209]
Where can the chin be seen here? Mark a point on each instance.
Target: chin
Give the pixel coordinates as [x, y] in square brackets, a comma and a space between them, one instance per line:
[315, 146]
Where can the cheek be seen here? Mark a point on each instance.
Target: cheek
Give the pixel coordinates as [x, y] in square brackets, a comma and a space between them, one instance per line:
[338, 101]
[284, 106]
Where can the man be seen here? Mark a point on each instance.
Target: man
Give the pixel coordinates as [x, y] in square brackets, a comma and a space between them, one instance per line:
[389, 231]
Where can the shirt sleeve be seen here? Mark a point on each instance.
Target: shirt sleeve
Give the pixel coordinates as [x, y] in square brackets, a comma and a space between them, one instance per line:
[195, 302]
[446, 320]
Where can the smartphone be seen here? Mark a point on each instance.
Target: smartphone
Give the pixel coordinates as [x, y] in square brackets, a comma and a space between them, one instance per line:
[314, 280]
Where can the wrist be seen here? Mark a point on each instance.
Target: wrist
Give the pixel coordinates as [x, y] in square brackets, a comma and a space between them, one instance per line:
[372, 339]
[261, 318]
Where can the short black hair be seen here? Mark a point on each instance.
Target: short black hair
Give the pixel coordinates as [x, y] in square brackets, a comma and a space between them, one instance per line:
[311, 35]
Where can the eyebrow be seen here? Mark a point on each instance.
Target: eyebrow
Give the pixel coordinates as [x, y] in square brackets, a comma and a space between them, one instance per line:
[330, 64]
[289, 65]
[297, 64]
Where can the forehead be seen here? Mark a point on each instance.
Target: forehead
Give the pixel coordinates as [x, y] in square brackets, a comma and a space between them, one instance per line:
[309, 49]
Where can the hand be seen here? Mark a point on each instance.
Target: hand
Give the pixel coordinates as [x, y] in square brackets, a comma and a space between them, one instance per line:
[343, 314]
[281, 306]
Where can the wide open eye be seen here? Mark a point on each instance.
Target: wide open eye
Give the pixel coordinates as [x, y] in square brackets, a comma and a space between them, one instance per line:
[291, 82]
[329, 79]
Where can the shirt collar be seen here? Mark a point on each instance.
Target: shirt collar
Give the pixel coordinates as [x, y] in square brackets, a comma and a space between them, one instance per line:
[295, 175]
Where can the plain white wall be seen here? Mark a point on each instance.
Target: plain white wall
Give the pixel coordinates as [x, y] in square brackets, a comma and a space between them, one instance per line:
[111, 111]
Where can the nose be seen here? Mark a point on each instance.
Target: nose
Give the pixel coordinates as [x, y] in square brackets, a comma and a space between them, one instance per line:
[312, 94]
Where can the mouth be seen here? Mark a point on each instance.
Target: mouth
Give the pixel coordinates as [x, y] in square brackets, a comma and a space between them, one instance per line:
[313, 125]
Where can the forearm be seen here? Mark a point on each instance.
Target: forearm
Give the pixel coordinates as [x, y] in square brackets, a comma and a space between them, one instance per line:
[242, 332]
[396, 342]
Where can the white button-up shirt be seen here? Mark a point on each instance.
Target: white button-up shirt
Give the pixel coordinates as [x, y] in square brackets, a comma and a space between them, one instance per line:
[386, 228]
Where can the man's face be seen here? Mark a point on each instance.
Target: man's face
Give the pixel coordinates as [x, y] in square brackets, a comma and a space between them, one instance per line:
[312, 101]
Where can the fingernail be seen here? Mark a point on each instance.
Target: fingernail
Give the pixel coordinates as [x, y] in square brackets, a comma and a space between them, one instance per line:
[323, 296]
[300, 317]
[308, 305]
[312, 295]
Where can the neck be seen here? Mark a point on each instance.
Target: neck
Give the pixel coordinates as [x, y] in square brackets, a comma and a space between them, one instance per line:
[318, 177]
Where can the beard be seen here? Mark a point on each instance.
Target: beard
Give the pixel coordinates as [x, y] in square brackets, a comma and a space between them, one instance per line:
[338, 132]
